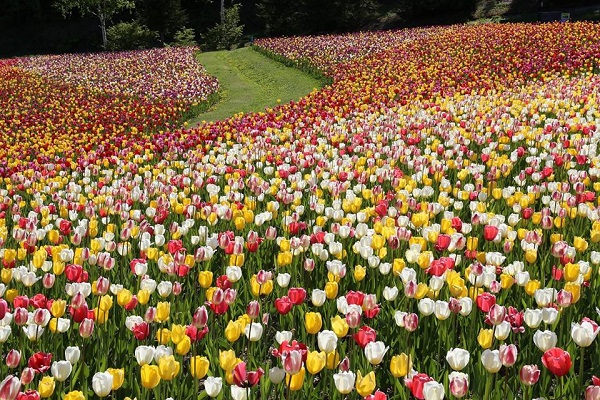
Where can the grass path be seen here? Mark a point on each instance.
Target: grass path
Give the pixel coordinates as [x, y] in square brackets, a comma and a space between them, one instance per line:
[250, 82]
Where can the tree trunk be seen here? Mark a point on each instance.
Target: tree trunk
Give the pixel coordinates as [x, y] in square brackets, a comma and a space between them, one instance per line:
[102, 18]
[222, 11]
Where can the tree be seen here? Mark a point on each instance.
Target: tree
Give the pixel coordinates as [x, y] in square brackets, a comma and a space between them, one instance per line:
[226, 34]
[104, 10]
[163, 16]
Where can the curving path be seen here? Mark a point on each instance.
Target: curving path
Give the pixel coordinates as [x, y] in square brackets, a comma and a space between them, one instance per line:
[250, 82]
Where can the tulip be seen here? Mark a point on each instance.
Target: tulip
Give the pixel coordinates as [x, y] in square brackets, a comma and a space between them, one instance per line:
[102, 383]
[433, 390]
[584, 334]
[457, 358]
[276, 375]
[557, 360]
[313, 322]
[374, 351]
[416, 383]
[508, 354]
[339, 326]
[400, 365]
[9, 388]
[344, 381]
[545, 340]
[86, 328]
[199, 367]
[292, 361]
[213, 386]
[74, 395]
[485, 338]
[327, 341]
[150, 376]
[239, 393]
[168, 367]
[61, 370]
[296, 380]
[592, 392]
[491, 361]
[244, 378]
[365, 384]
[28, 374]
[529, 374]
[315, 362]
[253, 331]
[459, 384]
[46, 387]
[13, 358]
[118, 375]
[318, 297]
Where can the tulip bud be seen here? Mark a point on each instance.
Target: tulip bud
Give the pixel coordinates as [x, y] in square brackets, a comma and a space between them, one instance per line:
[13, 358]
[200, 317]
[253, 309]
[27, 375]
[529, 374]
[9, 387]
[459, 384]
[508, 354]
[86, 328]
[48, 280]
[20, 316]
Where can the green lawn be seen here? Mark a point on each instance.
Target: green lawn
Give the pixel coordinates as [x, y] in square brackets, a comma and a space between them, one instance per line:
[250, 82]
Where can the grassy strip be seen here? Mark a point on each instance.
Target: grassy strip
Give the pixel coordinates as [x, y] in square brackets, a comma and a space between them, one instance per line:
[251, 82]
[301, 64]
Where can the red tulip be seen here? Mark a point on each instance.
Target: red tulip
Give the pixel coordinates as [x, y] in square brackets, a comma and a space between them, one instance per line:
[40, 362]
[29, 394]
[283, 305]
[297, 295]
[364, 336]
[356, 298]
[443, 242]
[141, 330]
[416, 383]
[3, 308]
[557, 360]
[490, 232]
[13, 358]
[378, 395]
[485, 301]
[200, 317]
[244, 378]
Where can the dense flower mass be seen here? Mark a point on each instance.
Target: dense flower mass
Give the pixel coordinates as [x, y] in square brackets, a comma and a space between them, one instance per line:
[169, 73]
[427, 226]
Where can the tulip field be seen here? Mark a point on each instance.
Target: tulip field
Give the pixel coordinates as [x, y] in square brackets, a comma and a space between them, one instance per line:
[427, 226]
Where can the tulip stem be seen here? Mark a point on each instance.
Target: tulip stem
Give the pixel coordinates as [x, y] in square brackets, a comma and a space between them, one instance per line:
[581, 359]
[488, 387]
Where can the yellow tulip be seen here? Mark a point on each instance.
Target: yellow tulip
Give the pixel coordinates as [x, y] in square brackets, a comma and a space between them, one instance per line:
[106, 302]
[400, 365]
[74, 395]
[205, 279]
[163, 336]
[575, 290]
[199, 366]
[485, 338]
[580, 244]
[150, 376]
[339, 326]
[532, 286]
[313, 322]
[233, 331]
[124, 297]
[163, 311]
[118, 375]
[331, 290]
[227, 360]
[365, 384]
[58, 308]
[168, 367]
[315, 361]
[333, 360]
[177, 333]
[294, 382]
[359, 273]
[184, 346]
[571, 272]
[46, 387]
